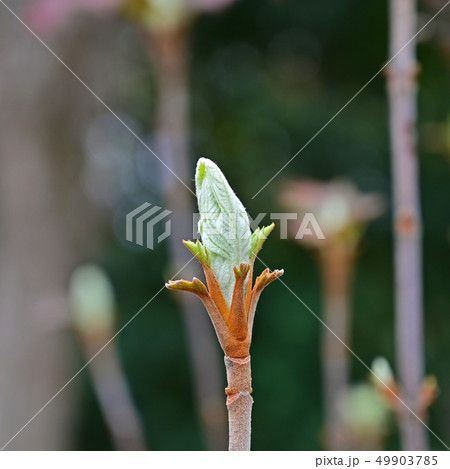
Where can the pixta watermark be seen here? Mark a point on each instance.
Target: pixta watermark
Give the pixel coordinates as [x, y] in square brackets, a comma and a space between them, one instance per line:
[148, 225]
[143, 222]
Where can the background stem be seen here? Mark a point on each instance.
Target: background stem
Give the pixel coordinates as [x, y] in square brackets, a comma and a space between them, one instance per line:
[337, 269]
[402, 88]
[172, 129]
[113, 394]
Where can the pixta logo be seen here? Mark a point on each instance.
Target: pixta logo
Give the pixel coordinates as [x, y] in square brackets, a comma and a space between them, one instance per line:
[143, 223]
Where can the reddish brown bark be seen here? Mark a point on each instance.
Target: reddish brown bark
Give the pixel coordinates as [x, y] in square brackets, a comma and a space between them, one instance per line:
[233, 326]
[239, 402]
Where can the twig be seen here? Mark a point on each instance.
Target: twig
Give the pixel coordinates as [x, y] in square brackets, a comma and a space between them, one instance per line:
[230, 300]
[402, 88]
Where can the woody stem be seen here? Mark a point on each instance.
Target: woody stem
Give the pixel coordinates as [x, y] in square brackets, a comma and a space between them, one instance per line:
[239, 402]
[402, 87]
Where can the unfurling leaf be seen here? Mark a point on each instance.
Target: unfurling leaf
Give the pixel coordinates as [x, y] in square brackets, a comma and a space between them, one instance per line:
[224, 225]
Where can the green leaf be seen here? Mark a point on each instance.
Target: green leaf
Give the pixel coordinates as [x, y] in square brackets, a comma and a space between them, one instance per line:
[199, 251]
[258, 238]
[224, 224]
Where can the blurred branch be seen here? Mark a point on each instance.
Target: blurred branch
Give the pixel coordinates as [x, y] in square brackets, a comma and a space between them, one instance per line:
[170, 52]
[402, 89]
[342, 213]
[36, 252]
[167, 24]
[92, 310]
[337, 266]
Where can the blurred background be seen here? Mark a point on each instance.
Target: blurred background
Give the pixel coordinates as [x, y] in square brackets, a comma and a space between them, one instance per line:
[246, 83]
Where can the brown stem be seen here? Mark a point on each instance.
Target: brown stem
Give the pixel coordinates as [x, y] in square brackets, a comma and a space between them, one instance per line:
[337, 270]
[170, 50]
[239, 402]
[402, 88]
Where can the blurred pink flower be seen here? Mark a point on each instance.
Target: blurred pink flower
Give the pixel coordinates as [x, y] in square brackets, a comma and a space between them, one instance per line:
[47, 16]
[339, 207]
